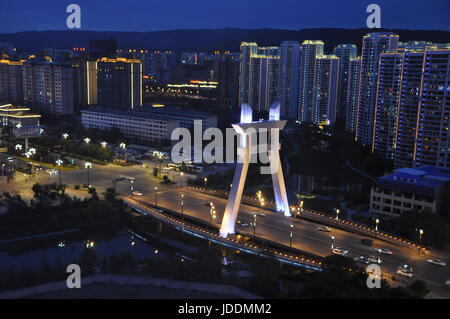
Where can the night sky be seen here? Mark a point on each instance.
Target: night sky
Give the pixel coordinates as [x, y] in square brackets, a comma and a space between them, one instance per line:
[151, 15]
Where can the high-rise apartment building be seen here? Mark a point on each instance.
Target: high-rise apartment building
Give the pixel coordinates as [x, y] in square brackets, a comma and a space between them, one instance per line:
[413, 108]
[408, 109]
[85, 82]
[11, 81]
[433, 136]
[48, 87]
[310, 51]
[103, 48]
[373, 45]
[387, 104]
[352, 94]
[119, 83]
[228, 78]
[288, 80]
[258, 81]
[345, 52]
[325, 95]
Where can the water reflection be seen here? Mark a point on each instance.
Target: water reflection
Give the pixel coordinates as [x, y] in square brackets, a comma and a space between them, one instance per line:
[68, 252]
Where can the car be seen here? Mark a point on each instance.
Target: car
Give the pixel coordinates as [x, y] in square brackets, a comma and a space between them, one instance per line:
[10, 159]
[405, 270]
[384, 251]
[324, 228]
[137, 193]
[362, 260]
[366, 241]
[259, 214]
[437, 262]
[340, 251]
[242, 224]
[374, 260]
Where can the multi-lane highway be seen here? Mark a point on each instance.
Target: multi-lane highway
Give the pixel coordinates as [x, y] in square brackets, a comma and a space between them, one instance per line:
[273, 226]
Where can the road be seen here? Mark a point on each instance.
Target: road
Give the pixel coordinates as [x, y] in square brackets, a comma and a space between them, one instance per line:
[273, 226]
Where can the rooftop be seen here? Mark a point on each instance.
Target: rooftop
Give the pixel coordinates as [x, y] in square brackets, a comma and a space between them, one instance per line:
[421, 180]
[130, 113]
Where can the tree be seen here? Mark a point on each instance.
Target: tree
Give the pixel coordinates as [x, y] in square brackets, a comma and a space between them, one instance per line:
[340, 263]
[110, 195]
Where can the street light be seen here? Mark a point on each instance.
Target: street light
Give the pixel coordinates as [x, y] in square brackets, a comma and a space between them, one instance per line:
[122, 145]
[254, 224]
[377, 221]
[156, 196]
[337, 214]
[19, 125]
[181, 181]
[103, 144]
[59, 162]
[87, 140]
[88, 166]
[65, 136]
[420, 238]
[18, 147]
[290, 236]
[332, 243]
[205, 180]
[182, 203]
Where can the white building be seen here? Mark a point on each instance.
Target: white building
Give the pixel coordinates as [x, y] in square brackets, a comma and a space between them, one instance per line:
[142, 126]
[412, 189]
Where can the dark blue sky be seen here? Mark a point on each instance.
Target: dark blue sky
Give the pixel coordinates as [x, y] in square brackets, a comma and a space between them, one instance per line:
[149, 15]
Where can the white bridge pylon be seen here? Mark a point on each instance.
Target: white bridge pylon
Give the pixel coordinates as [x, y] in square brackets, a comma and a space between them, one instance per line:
[244, 153]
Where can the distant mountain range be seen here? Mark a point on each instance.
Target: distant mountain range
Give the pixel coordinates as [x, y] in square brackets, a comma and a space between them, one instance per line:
[207, 39]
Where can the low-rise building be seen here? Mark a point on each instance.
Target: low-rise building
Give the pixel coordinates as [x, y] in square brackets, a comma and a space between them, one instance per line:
[145, 127]
[425, 188]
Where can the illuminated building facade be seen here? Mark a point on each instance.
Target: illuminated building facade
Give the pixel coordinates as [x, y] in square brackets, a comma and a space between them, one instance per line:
[48, 87]
[85, 81]
[310, 51]
[352, 94]
[119, 83]
[345, 53]
[288, 84]
[259, 70]
[325, 97]
[387, 104]
[373, 45]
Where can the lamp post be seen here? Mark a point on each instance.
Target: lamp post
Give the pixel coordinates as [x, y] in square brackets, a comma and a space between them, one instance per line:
[337, 214]
[377, 221]
[18, 148]
[103, 144]
[122, 146]
[65, 136]
[290, 235]
[160, 164]
[182, 204]
[254, 224]
[420, 239]
[88, 166]
[156, 196]
[332, 243]
[87, 140]
[59, 162]
[181, 181]
[205, 180]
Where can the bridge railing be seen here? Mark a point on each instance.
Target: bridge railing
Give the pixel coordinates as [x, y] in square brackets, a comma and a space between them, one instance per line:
[324, 219]
[305, 259]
